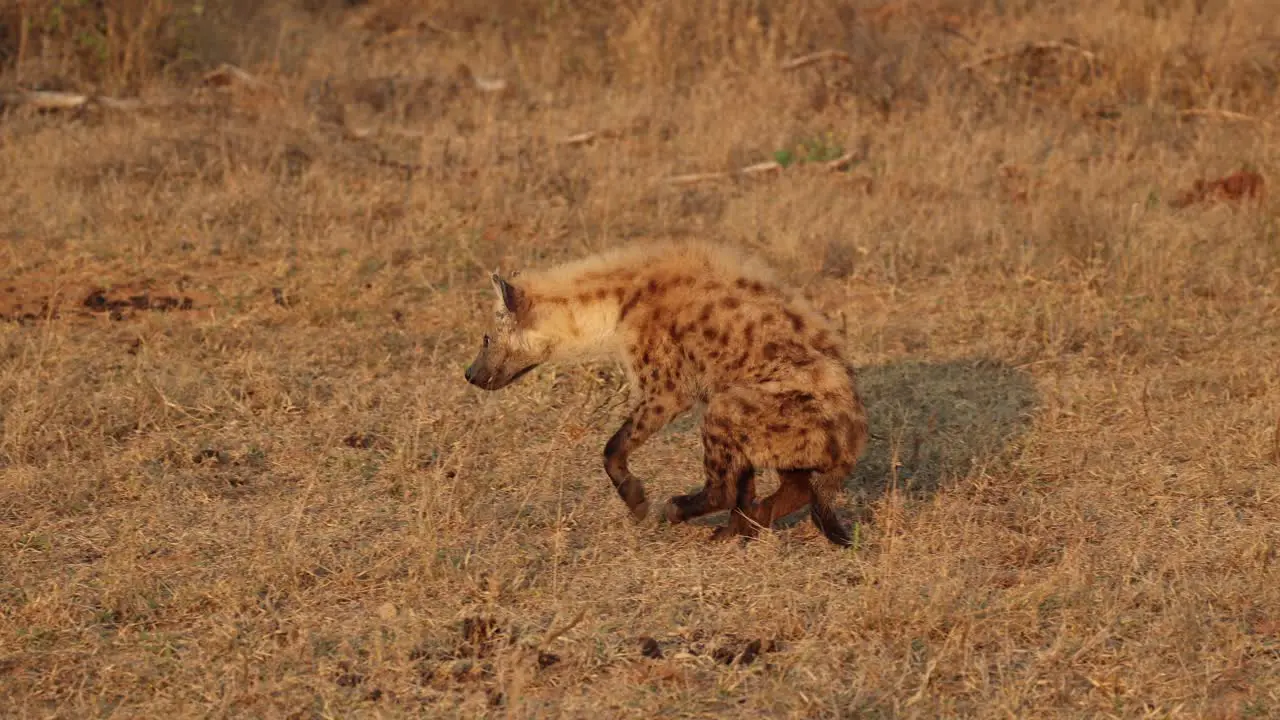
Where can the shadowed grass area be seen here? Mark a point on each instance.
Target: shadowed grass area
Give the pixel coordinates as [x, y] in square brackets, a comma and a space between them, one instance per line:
[937, 422]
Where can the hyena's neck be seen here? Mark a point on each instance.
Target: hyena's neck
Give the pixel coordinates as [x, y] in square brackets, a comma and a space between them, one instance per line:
[584, 330]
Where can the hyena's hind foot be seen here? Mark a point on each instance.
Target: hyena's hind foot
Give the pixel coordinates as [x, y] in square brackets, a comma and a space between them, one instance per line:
[711, 498]
[683, 508]
[825, 518]
[730, 485]
[742, 521]
[798, 488]
[730, 479]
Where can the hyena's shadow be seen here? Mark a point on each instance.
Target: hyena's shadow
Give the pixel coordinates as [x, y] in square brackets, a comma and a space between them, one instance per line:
[933, 422]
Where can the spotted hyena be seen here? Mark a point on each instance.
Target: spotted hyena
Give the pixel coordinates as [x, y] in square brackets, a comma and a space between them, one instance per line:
[696, 323]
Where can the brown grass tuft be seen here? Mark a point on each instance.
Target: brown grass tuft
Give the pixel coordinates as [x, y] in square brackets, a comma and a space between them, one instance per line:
[282, 500]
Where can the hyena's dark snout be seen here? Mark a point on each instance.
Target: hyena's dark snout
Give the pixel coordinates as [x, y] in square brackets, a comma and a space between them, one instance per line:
[493, 372]
[484, 375]
[481, 371]
[477, 375]
[489, 378]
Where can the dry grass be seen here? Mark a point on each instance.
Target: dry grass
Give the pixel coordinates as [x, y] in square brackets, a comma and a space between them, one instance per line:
[284, 501]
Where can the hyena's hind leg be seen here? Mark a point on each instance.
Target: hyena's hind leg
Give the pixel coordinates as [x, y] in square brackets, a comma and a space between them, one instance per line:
[730, 482]
[725, 484]
[792, 494]
[740, 517]
[825, 487]
[798, 488]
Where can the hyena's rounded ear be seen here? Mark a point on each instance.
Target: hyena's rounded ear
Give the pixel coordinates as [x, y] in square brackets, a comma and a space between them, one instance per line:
[510, 294]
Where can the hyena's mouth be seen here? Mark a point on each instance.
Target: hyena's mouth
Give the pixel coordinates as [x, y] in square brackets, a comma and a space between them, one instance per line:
[490, 382]
[520, 373]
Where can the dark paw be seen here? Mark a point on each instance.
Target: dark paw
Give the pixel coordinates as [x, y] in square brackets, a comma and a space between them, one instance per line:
[681, 508]
[672, 512]
[724, 533]
[632, 493]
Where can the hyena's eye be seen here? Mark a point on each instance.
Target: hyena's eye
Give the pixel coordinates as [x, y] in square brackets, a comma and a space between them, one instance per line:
[486, 341]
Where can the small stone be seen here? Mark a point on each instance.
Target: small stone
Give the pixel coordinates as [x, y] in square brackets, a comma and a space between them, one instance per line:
[650, 648]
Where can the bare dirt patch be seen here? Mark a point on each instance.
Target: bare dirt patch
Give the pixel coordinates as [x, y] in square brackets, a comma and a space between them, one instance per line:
[1237, 187]
[28, 300]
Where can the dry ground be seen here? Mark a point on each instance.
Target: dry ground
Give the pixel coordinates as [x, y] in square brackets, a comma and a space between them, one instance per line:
[241, 474]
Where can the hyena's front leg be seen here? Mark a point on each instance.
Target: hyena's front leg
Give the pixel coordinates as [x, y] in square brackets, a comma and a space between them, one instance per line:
[651, 416]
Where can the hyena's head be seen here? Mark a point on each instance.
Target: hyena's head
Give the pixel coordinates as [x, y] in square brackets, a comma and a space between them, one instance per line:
[511, 347]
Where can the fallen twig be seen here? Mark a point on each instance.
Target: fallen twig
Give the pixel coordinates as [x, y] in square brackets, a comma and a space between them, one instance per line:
[579, 139]
[693, 178]
[811, 58]
[762, 168]
[489, 85]
[46, 99]
[57, 100]
[222, 76]
[1224, 114]
[228, 74]
[1046, 45]
[844, 161]
[483, 84]
[748, 171]
[590, 136]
